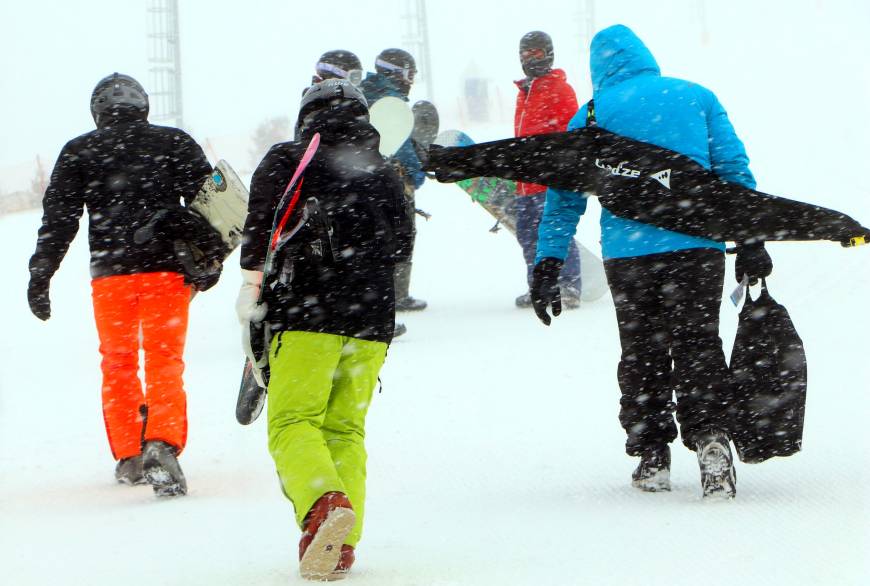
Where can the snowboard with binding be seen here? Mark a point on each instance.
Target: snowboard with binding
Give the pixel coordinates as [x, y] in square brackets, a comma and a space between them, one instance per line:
[252, 395]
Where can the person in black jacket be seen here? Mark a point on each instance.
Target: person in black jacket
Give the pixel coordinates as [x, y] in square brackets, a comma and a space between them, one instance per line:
[330, 307]
[124, 172]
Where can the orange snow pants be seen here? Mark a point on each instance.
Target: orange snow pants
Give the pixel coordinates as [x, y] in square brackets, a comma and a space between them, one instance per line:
[155, 304]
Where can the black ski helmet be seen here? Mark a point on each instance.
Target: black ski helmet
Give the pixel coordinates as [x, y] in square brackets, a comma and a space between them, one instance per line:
[118, 92]
[333, 94]
[396, 63]
[339, 64]
[536, 53]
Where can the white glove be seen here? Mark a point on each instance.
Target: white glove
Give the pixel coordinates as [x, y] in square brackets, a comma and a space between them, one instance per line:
[249, 311]
[247, 308]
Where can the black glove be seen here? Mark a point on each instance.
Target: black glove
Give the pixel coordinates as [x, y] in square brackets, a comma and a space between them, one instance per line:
[422, 152]
[752, 261]
[37, 297]
[545, 288]
[206, 280]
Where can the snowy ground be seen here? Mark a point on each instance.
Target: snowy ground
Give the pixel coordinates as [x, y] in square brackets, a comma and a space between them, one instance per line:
[495, 453]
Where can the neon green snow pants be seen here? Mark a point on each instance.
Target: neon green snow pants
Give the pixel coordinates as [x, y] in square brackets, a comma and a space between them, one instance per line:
[319, 392]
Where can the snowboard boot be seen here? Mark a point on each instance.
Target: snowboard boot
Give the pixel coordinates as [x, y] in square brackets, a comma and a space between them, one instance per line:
[653, 474]
[410, 304]
[326, 526]
[524, 301]
[718, 478]
[570, 296]
[162, 470]
[129, 471]
[399, 330]
[345, 561]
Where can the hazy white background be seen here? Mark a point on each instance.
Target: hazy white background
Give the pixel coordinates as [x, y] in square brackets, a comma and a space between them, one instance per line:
[783, 68]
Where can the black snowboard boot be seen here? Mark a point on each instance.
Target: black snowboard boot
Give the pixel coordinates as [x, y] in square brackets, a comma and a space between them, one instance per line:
[129, 471]
[570, 296]
[718, 478]
[410, 304]
[524, 301]
[162, 470]
[399, 330]
[653, 474]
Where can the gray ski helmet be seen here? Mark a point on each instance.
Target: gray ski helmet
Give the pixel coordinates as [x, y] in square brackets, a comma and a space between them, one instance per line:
[331, 93]
[339, 64]
[536, 53]
[118, 91]
[398, 63]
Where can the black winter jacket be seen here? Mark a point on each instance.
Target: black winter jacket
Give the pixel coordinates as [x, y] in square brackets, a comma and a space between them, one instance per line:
[363, 199]
[123, 173]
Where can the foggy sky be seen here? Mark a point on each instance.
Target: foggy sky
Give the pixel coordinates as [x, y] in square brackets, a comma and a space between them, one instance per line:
[779, 66]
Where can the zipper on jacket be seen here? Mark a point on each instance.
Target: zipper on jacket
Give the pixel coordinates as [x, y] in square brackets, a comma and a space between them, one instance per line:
[525, 103]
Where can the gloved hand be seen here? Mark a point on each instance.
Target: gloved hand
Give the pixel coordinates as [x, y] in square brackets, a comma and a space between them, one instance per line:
[545, 288]
[247, 308]
[207, 279]
[422, 152]
[752, 261]
[250, 312]
[37, 297]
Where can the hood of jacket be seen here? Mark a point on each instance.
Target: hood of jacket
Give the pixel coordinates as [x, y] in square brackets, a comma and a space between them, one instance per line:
[616, 55]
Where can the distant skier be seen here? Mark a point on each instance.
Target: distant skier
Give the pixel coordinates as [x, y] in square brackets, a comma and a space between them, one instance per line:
[395, 70]
[124, 172]
[338, 64]
[545, 103]
[666, 286]
[330, 313]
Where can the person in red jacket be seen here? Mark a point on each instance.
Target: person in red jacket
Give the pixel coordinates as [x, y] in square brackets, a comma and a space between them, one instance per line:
[546, 103]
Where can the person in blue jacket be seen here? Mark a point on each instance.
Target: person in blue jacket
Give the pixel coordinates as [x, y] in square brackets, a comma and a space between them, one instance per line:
[394, 75]
[666, 286]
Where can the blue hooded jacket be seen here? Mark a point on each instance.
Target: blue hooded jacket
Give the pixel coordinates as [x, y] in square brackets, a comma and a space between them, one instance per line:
[376, 86]
[633, 99]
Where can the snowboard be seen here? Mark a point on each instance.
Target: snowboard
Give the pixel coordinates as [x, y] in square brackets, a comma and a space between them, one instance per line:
[394, 121]
[252, 396]
[426, 123]
[646, 183]
[209, 229]
[223, 203]
[496, 196]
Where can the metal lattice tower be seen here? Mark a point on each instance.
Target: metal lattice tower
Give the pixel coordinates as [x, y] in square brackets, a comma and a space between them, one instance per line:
[416, 41]
[164, 56]
[586, 25]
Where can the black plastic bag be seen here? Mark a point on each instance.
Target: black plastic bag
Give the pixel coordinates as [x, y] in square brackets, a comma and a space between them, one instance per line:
[769, 367]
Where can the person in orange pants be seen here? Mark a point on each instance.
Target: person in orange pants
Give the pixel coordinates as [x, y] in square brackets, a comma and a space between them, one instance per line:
[125, 173]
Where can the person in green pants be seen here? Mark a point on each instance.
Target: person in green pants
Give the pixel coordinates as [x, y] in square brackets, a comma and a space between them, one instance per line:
[329, 305]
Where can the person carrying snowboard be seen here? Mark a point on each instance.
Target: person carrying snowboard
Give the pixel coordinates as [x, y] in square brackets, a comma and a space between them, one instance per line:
[124, 172]
[666, 286]
[330, 307]
[545, 103]
[395, 70]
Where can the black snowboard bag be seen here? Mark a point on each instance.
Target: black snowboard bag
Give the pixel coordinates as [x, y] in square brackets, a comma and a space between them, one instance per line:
[769, 368]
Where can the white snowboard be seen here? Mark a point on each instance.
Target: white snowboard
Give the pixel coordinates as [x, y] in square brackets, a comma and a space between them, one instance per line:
[394, 121]
[223, 202]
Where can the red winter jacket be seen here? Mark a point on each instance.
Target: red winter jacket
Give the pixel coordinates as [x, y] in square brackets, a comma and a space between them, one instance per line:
[546, 104]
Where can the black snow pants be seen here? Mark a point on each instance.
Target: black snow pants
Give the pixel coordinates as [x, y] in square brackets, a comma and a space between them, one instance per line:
[667, 308]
